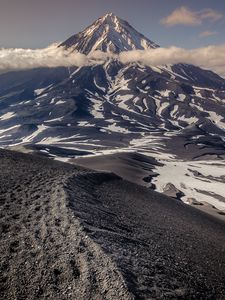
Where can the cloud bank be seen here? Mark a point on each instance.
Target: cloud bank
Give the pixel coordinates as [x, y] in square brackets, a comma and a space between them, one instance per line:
[211, 57]
[185, 16]
[52, 56]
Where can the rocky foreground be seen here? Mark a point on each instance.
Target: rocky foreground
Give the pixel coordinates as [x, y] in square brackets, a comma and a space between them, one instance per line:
[72, 233]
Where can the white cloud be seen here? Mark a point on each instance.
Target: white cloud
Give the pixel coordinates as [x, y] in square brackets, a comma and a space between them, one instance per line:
[185, 16]
[52, 56]
[100, 57]
[211, 57]
[207, 33]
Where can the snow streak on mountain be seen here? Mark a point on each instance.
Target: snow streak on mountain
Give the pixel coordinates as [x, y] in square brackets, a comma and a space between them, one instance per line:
[174, 113]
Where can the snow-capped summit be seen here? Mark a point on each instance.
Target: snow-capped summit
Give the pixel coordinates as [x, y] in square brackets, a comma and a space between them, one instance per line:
[109, 34]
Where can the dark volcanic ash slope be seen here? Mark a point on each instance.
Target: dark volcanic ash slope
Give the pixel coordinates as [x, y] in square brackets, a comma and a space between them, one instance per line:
[71, 233]
[45, 253]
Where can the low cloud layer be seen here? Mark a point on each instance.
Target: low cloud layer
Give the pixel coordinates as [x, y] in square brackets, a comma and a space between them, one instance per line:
[211, 57]
[52, 56]
[185, 16]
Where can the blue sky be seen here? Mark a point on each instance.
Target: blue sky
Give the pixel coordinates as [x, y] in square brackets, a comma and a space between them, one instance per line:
[29, 23]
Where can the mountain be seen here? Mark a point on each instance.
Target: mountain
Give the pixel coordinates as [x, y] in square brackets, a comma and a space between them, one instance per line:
[109, 34]
[174, 113]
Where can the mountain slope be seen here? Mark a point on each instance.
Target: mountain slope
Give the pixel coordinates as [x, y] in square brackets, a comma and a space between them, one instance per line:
[112, 99]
